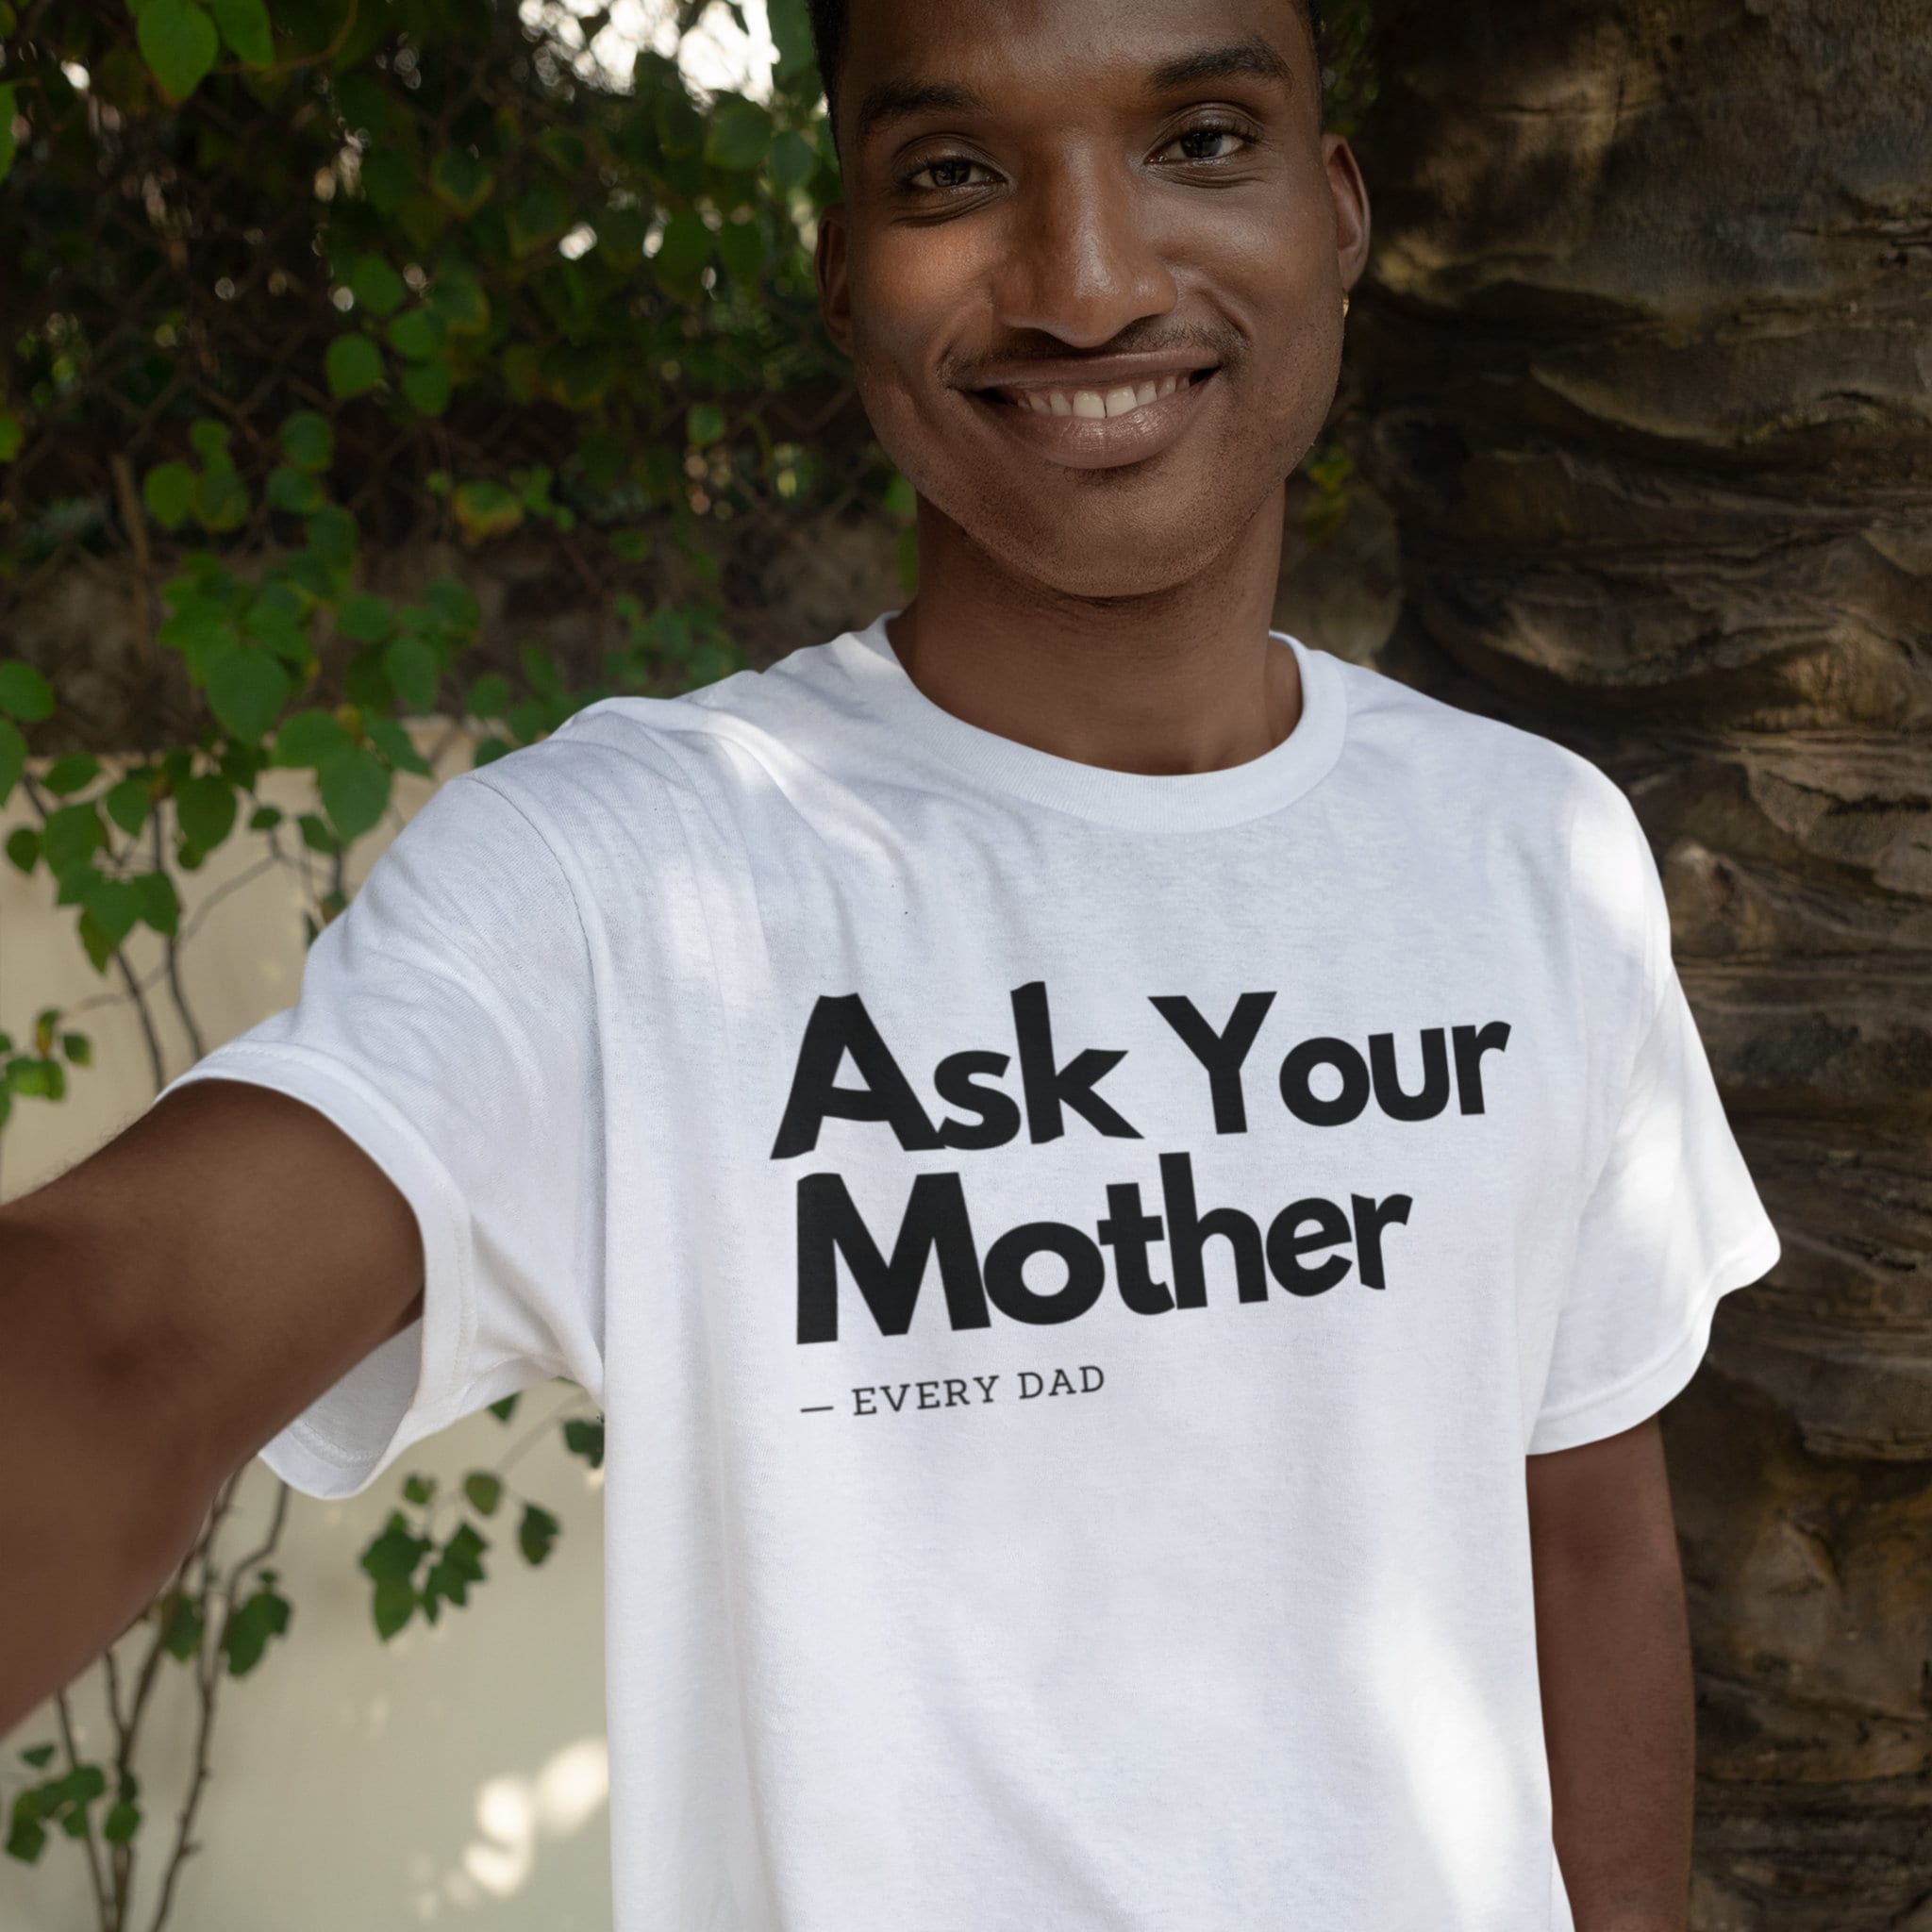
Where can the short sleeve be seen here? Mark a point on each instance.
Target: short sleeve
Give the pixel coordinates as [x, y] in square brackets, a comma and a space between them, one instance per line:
[1671, 1222]
[446, 1023]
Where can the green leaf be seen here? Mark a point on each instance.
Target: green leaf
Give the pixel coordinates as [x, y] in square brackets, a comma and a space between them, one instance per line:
[704, 425]
[221, 500]
[355, 790]
[395, 1551]
[264, 818]
[308, 440]
[168, 489]
[741, 249]
[394, 1604]
[12, 757]
[388, 736]
[247, 1632]
[179, 43]
[353, 366]
[460, 181]
[244, 26]
[464, 1552]
[25, 694]
[78, 1048]
[484, 1490]
[419, 1488]
[289, 489]
[415, 670]
[70, 773]
[489, 696]
[451, 605]
[71, 837]
[114, 907]
[246, 691]
[417, 334]
[543, 676]
[24, 847]
[377, 286]
[8, 110]
[505, 1408]
[426, 388]
[460, 304]
[585, 1438]
[331, 533]
[128, 802]
[160, 906]
[536, 1533]
[486, 510]
[793, 158]
[739, 135]
[306, 738]
[37, 1756]
[122, 1821]
[385, 180]
[317, 836]
[182, 1628]
[366, 619]
[685, 248]
[206, 809]
[208, 436]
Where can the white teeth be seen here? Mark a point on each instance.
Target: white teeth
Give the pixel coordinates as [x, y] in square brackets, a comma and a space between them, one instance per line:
[1093, 403]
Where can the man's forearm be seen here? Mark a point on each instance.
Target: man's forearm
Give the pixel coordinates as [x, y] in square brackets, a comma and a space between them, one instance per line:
[91, 1518]
[1614, 1656]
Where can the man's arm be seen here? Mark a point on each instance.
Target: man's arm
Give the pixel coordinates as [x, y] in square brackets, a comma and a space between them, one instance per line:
[166, 1307]
[1613, 1650]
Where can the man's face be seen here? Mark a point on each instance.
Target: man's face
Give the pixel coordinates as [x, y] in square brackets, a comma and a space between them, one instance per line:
[1057, 209]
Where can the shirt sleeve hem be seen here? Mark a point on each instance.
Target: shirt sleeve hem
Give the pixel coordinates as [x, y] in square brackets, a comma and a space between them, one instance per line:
[308, 1453]
[1639, 1395]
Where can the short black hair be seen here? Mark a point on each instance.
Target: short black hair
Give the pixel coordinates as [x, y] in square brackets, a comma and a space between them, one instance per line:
[828, 24]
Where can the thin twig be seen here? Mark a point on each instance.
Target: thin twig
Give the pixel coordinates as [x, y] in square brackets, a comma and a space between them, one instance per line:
[172, 957]
[207, 1683]
[93, 1856]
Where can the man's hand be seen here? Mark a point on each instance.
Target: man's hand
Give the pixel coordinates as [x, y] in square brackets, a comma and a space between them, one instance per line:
[1613, 1650]
[167, 1306]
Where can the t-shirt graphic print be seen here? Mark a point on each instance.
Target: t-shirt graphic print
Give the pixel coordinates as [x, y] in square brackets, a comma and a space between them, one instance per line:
[1072, 1264]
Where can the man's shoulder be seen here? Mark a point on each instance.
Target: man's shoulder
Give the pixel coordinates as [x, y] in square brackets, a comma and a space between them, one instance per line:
[620, 747]
[1439, 747]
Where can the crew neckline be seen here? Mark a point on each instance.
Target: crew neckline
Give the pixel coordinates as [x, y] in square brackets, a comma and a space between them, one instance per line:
[1133, 800]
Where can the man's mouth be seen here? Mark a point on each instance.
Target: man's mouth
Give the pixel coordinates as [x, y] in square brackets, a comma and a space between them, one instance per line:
[1121, 416]
[1116, 399]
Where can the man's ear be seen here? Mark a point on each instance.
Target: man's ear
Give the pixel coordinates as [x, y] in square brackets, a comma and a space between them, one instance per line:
[828, 263]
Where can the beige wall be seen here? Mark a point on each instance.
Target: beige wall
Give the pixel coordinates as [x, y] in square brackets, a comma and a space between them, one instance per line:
[455, 1776]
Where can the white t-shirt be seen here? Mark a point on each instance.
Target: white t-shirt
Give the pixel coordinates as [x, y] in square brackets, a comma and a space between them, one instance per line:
[1072, 1262]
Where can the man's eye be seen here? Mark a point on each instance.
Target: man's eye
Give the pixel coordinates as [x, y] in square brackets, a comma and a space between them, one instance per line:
[1200, 143]
[948, 170]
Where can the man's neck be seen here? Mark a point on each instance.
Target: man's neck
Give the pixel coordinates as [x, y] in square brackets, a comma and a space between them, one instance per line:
[1183, 679]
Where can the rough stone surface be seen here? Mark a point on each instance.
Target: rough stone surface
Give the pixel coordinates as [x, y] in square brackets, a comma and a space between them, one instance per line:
[1647, 358]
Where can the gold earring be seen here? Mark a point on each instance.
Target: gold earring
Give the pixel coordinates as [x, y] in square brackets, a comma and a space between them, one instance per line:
[1344, 305]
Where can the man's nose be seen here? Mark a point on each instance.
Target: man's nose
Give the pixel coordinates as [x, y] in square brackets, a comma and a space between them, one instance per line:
[1082, 259]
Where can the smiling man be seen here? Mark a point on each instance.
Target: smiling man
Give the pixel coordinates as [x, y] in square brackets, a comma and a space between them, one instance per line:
[1131, 1191]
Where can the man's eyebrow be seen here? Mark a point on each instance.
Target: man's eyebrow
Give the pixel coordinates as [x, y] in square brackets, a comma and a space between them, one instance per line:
[1251, 59]
[892, 100]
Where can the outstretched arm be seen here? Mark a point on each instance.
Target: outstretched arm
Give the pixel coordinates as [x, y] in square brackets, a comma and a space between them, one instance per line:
[1613, 1650]
[165, 1307]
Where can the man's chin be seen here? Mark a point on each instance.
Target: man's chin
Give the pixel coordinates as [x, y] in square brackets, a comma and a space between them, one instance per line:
[1096, 549]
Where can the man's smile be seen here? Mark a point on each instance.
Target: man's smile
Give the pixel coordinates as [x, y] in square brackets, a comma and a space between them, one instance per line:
[1101, 413]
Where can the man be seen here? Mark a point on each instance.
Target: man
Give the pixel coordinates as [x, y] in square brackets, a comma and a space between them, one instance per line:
[1131, 1191]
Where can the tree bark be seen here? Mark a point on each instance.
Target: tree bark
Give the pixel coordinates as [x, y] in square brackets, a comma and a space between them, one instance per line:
[1647, 371]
